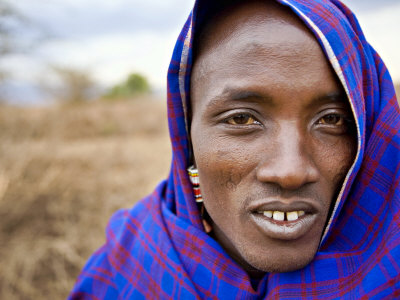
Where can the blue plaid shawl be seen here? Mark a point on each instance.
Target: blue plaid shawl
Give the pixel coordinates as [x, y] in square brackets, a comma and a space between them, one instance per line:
[158, 249]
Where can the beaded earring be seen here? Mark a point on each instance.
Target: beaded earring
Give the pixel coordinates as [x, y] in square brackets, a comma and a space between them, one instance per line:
[194, 179]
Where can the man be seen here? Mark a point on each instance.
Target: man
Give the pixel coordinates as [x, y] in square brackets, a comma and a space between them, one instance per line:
[291, 122]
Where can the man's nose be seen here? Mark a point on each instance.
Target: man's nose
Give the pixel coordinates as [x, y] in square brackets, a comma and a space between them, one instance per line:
[289, 162]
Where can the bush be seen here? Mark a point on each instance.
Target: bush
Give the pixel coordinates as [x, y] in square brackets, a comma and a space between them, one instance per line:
[134, 85]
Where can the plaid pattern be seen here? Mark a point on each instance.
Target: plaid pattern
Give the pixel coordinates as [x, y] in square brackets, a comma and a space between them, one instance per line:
[159, 250]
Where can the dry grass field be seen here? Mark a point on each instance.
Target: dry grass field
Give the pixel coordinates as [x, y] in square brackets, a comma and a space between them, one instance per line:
[63, 171]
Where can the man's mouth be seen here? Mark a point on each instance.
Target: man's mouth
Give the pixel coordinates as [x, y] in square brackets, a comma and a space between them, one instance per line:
[282, 221]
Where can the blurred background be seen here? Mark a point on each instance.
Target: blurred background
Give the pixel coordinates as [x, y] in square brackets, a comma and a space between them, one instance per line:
[83, 123]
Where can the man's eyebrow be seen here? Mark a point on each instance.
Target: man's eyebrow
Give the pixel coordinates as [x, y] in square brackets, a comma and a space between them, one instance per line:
[336, 96]
[239, 95]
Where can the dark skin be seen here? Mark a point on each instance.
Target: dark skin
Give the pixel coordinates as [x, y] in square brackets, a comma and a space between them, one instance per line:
[271, 132]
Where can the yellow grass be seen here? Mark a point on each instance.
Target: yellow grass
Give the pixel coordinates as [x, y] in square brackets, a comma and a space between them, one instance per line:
[63, 172]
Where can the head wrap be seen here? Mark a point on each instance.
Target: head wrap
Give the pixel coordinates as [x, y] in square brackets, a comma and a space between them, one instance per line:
[159, 250]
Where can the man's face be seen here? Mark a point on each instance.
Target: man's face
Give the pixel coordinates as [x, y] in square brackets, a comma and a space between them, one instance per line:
[271, 134]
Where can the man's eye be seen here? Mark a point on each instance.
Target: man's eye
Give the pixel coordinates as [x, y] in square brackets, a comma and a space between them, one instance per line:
[242, 119]
[332, 119]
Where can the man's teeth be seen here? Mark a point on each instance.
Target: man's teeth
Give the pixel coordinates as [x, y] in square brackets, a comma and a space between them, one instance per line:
[268, 214]
[278, 216]
[281, 216]
[292, 216]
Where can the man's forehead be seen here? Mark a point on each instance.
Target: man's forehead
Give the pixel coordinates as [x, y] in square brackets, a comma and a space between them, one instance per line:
[244, 18]
[239, 36]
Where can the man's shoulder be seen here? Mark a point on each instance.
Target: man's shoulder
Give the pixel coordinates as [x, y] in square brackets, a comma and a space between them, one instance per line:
[126, 225]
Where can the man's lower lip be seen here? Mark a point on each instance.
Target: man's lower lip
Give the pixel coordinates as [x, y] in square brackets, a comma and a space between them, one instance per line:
[284, 230]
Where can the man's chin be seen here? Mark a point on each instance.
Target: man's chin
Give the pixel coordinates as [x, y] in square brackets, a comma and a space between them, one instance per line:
[281, 264]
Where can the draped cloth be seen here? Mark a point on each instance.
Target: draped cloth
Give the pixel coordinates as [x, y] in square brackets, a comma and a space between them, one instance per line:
[159, 250]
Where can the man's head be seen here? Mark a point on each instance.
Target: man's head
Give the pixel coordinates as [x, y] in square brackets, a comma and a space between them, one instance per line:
[272, 135]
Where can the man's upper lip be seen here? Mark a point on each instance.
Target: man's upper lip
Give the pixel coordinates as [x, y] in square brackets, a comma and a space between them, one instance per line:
[305, 205]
